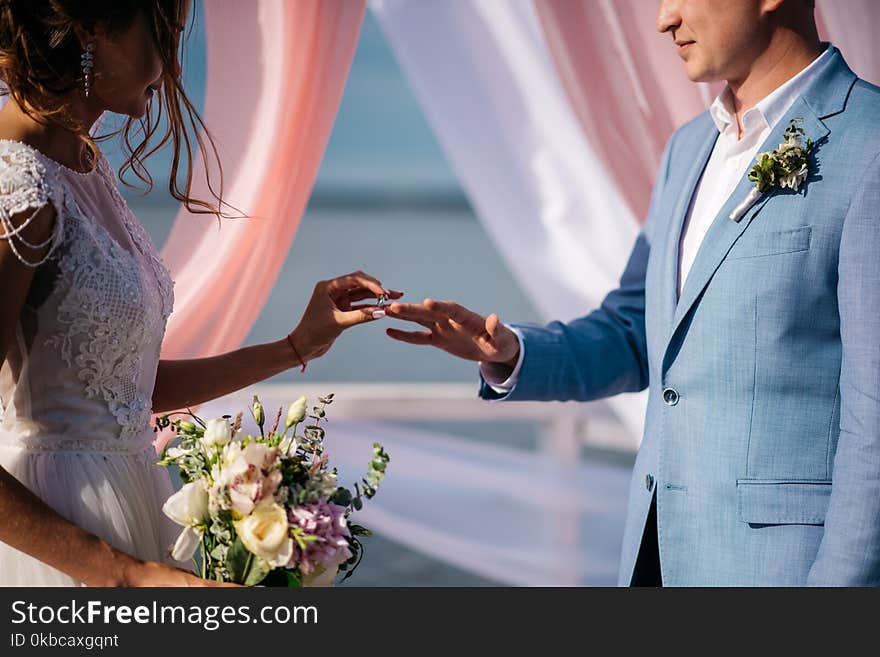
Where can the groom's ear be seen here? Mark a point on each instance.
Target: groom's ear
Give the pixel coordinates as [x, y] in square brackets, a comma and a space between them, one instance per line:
[769, 6]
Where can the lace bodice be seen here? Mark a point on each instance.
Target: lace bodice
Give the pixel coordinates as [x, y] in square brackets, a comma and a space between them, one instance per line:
[82, 370]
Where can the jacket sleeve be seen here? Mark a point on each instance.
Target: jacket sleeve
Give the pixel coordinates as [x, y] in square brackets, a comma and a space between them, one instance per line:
[849, 554]
[601, 354]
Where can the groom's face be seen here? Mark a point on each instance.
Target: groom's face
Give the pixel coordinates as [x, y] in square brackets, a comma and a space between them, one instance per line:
[716, 39]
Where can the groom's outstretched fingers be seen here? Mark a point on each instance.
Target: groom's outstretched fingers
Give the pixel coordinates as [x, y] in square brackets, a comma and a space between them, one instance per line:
[415, 312]
[456, 330]
[492, 324]
[470, 320]
[411, 337]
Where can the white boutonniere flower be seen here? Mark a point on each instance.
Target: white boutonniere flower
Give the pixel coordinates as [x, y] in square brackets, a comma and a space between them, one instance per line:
[787, 167]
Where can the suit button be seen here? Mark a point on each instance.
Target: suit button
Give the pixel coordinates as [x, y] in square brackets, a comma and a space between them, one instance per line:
[670, 396]
[649, 482]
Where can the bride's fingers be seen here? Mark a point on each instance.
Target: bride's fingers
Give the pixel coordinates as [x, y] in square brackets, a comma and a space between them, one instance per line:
[359, 315]
[411, 337]
[359, 294]
[365, 306]
[357, 280]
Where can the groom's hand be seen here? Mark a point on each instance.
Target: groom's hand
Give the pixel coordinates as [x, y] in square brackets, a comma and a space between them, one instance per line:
[457, 330]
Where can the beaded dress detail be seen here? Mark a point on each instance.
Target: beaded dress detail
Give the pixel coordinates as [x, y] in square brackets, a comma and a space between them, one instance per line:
[77, 383]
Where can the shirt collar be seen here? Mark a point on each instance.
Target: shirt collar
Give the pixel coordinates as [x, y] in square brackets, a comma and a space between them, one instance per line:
[769, 110]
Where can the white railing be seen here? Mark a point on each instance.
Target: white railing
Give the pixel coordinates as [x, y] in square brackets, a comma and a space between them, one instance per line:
[564, 426]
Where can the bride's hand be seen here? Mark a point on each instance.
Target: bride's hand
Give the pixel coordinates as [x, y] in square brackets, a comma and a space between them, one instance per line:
[331, 310]
[153, 573]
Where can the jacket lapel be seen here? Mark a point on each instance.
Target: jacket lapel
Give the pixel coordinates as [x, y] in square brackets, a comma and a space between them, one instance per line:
[703, 147]
[724, 232]
[824, 97]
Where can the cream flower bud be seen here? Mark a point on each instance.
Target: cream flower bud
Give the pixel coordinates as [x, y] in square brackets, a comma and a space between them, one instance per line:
[217, 433]
[259, 413]
[297, 412]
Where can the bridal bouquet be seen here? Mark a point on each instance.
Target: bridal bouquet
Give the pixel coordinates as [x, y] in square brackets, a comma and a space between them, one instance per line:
[265, 509]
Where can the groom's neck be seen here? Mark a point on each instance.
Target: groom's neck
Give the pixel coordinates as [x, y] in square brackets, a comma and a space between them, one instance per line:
[787, 54]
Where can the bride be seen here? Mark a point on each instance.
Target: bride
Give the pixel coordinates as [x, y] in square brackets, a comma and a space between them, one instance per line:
[84, 298]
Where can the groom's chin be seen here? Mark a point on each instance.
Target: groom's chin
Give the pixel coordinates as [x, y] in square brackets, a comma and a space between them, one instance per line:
[697, 73]
[701, 71]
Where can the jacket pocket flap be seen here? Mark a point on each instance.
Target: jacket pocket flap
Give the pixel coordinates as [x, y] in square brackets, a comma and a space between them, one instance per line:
[775, 501]
[771, 243]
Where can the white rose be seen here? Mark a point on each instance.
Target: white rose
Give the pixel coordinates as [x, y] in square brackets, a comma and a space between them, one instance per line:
[188, 507]
[297, 412]
[217, 433]
[265, 533]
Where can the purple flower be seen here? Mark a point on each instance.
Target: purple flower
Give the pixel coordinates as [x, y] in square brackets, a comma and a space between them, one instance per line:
[326, 545]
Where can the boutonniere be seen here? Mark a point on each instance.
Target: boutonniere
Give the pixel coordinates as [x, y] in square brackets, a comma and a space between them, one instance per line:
[785, 167]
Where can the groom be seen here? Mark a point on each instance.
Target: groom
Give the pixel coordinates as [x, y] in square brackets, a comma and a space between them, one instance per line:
[758, 338]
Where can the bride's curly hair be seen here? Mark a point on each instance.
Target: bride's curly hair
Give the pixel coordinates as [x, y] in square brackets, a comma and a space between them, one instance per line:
[40, 64]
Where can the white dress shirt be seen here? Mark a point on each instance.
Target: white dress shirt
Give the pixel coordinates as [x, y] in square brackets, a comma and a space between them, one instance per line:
[731, 157]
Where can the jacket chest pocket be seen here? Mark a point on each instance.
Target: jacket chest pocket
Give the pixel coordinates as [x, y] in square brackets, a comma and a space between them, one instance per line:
[758, 245]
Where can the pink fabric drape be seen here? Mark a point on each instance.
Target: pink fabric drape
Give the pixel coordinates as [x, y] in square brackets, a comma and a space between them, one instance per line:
[853, 26]
[627, 85]
[624, 82]
[276, 72]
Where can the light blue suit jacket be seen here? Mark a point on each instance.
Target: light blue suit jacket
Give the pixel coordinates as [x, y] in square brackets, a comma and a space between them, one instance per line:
[762, 433]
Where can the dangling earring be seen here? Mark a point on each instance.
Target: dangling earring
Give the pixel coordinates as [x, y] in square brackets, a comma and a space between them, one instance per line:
[88, 64]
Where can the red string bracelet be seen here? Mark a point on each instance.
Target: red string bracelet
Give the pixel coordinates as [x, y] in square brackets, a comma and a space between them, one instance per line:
[296, 353]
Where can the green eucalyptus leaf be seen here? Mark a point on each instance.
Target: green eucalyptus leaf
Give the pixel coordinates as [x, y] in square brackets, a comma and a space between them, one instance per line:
[257, 572]
[342, 497]
[244, 567]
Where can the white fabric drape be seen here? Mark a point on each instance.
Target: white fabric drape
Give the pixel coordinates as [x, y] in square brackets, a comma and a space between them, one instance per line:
[483, 74]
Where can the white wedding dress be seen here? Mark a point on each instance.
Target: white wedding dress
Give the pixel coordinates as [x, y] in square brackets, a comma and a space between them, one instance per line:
[77, 384]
